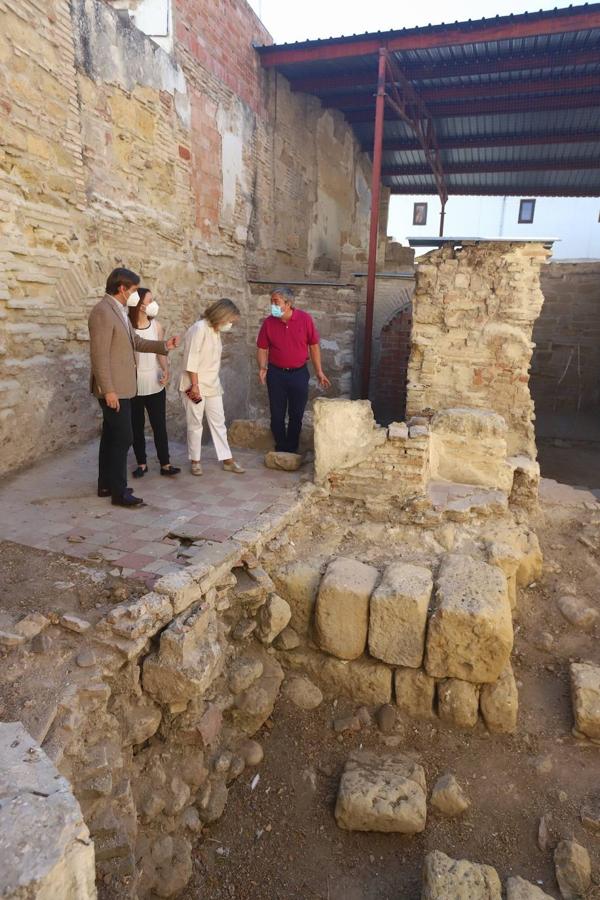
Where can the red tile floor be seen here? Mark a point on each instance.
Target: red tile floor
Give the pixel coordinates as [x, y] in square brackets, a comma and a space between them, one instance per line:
[53, 506]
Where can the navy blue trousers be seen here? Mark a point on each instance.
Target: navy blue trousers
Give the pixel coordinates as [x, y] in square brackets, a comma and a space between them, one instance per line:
[288, 396]
[117, 435]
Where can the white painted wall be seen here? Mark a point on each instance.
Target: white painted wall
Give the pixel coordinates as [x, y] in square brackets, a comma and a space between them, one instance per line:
[573, 220]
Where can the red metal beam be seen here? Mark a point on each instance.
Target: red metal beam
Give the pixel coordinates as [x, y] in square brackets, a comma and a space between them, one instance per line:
[374, 227]
[469, 91]
[503, 29]
[498, 140]
[485, 107]
[320, 84]
[546, 165]
[522, 190]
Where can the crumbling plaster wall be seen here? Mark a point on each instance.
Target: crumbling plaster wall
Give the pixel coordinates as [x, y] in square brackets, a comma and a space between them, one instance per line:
[195, 168]
[473, 313]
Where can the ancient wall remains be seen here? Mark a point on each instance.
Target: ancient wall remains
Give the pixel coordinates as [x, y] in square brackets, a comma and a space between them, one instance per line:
[195, 168]
[565, 369]
[473, 313]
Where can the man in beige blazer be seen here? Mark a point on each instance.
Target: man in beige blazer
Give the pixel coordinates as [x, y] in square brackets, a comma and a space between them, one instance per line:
[113, 345]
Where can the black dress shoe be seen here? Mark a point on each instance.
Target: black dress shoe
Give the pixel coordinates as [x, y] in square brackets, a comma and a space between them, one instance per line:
[170, 470]
[127, 500]
[104, 492]
[139, 472]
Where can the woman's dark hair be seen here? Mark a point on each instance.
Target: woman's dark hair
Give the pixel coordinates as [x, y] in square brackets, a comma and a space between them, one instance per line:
[134, 311]
[121, 277]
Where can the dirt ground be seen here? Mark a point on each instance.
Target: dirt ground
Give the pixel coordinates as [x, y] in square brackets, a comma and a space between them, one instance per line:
[280, 840]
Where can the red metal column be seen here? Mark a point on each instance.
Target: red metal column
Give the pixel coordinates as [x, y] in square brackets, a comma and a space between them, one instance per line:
[374, 232]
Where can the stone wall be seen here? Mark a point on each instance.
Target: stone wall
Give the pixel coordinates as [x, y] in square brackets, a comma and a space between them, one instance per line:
[195, 168]
[565, 369]
[473, 313]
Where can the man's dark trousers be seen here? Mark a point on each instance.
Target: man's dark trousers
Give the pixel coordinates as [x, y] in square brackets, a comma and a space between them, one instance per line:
[288, 394]
[116, 439]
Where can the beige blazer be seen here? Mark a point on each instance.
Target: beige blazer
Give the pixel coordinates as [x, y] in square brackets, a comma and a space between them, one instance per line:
[113, 345]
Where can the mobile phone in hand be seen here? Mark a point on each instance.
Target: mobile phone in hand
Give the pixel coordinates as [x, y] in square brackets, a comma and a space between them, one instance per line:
[189, 393]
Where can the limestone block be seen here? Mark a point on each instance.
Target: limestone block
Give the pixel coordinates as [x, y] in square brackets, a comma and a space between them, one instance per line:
[519, 889]
[342, 608]
[287, 462]
[500, 703]
[363, 680]
[585, 695]
[468, 446]
[415, 690]
[46, 850]
[345, 434]
[273, 618]
[298, 583]
[458, 702]
[573, 870]
[531, 564]
[398, 431]
[526, 481]
[381, 793]
[458, 879]
[470, 634]
[189, 659]
[398, 615]
[508, 559]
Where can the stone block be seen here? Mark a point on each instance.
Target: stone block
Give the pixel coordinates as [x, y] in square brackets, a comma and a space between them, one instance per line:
[458, 702]
[415, 691]
[500, 703]
[46, 850]
[448, 798]
[458, 879]
[398, 615]
[381, 793]
[342, 608]
[362, 680]
[345, 434]
[585, 695]
[470, 634]
[398, 431]
[468, 446]
[287, 462]
[573, 870]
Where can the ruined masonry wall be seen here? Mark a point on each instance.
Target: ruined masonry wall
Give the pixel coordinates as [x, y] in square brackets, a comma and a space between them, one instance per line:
[473, 315]
[195, 168]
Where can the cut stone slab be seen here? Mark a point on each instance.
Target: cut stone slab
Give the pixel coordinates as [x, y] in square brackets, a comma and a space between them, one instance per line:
[519, 889]
[415, 691]
[342, 608]
[458, 879]
[585, 694]
[298, 583]
[381, 793]
[468, 446]
[273, 618]
[398, 615]
[448, 798]
[470, 633]
[500, 703]
[573, 870]
[303, 693]
[362, 680]
[458, 702]
[288, 462]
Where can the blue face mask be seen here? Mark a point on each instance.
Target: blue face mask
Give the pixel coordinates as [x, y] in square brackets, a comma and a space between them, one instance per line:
[276, 311]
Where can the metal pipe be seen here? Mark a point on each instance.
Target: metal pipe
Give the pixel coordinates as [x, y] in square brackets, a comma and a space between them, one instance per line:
[374, 230]
[442, 218]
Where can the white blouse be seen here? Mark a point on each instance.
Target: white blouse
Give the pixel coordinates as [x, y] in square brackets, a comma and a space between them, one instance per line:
[202, 350]
[148, 369]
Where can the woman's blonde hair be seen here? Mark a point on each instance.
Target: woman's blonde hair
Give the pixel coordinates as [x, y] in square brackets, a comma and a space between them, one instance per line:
[220, 310]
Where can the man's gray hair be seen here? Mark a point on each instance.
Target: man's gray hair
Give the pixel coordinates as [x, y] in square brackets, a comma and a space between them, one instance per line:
[286, 293]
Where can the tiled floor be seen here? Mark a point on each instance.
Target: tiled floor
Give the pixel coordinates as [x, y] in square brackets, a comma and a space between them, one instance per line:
[53, 506]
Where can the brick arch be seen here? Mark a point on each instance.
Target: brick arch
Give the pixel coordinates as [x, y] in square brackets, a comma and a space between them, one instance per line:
[389, 396]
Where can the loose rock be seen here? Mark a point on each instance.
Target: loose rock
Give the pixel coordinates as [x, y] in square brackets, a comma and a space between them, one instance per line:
[303, 693]
[75, 623]
[252, 753]
[244, 672]
[578, 613]
[519, 889]
[288, 462]
[585, 693]
[31, 625]
[458, 879]
[590, 815]
[384, 794]
[346, 723]
[86, 658]
[573, 869]
[448, 797]
[287, 640]
[386, 717]
[273, 618]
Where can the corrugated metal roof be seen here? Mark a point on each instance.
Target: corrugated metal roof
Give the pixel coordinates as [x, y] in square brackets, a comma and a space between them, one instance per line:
[514, 100]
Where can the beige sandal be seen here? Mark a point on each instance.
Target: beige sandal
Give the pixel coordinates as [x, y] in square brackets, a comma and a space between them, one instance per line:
[196, 468]
[233, 467]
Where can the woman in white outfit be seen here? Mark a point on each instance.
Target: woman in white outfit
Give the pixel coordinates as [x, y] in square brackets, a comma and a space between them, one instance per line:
[200, 385]
[152, 379]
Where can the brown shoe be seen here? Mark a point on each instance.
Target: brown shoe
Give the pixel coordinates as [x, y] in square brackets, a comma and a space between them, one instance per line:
[197, 468]
[233, 467]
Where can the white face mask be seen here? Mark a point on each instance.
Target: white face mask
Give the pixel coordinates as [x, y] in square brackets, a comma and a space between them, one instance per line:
[133, 299]
[152, 309]
[227, 327]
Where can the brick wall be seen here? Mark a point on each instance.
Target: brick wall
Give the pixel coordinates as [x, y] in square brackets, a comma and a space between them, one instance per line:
[565, 369]
[194, 168]
[389, 391]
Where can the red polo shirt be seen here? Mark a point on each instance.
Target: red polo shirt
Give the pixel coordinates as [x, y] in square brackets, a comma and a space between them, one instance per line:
[288, 342]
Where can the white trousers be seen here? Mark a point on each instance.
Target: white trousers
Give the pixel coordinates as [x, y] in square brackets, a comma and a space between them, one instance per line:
[215, 416]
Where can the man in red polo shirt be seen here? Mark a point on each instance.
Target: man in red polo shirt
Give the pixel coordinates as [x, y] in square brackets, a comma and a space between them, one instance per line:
[287, 338]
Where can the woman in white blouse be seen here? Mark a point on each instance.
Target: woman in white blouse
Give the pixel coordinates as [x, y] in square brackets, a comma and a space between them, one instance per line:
[152, 379]
[200, 385]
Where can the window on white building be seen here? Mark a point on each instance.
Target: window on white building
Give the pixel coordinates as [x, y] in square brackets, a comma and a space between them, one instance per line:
[526, 212]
